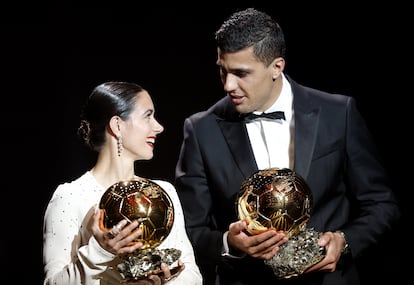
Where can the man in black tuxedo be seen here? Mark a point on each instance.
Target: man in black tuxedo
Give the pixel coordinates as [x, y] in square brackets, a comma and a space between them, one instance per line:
[321, 136]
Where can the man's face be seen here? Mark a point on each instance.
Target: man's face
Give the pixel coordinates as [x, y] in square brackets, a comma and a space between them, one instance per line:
[248, 81]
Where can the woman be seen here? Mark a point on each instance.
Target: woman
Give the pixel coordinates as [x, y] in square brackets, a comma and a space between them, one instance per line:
[118, 123]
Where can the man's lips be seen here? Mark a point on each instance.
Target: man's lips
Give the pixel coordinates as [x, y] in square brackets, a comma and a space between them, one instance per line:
[237, 99]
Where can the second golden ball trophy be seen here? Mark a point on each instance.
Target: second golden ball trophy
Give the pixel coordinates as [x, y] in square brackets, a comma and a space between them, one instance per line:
[280, 199]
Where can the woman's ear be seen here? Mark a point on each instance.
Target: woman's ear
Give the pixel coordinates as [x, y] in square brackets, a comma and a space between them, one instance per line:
[114, 127]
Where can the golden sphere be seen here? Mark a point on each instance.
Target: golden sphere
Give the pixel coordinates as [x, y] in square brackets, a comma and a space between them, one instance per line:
[274, 198]
[142, 200]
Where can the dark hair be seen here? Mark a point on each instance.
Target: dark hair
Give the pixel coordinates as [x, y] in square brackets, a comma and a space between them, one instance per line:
[251, 27]
[108, 99]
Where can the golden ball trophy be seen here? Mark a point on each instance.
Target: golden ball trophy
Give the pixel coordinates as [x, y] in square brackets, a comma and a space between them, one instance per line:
[280, 199]
[144, 201]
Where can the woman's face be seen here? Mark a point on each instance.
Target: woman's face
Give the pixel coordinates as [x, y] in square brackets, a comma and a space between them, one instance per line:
[140, 130]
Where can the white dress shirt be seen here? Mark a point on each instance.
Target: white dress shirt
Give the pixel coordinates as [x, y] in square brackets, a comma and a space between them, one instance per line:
[272, 140]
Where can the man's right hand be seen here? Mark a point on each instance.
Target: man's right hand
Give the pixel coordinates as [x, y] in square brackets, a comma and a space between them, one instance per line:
[263, 245]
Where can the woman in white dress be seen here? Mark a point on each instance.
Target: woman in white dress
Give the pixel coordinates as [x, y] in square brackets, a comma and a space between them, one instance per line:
[118, 123]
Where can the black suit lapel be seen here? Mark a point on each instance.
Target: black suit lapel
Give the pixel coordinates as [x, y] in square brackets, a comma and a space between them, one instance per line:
[306, 126]
[237, 139]
[306, 129]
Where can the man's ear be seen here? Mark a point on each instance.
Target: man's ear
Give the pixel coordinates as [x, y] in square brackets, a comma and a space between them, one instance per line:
[278, 65]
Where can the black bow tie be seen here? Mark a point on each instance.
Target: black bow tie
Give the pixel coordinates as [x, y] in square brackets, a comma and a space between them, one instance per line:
[278, 115]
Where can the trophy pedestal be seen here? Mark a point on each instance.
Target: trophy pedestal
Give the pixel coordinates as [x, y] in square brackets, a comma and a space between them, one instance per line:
[296, 255]
[139, 265]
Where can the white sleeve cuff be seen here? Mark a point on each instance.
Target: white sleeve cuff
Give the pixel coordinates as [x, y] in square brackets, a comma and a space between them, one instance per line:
[225, 251]
[95, 253]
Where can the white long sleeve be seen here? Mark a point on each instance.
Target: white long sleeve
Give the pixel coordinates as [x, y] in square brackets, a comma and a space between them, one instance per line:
[72, 255]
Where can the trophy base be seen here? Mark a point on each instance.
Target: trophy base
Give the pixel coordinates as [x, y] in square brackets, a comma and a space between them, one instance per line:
[139, 265]
[296, 255]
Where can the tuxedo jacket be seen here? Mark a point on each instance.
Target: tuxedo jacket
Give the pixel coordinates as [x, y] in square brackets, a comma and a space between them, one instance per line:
[333, 151]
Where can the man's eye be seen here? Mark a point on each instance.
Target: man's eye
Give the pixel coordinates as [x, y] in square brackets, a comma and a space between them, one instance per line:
[240, 73]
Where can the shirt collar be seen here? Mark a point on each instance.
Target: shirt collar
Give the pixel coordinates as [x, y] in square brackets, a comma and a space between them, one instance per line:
[284, 102]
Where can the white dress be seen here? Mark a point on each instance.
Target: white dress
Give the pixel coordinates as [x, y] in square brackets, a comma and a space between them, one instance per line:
[71, 255]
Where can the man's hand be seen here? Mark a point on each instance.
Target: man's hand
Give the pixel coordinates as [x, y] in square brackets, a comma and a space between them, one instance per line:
[334, 243]
[263, 245]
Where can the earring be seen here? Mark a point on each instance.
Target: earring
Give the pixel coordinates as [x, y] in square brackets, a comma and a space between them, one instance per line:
[120, 145]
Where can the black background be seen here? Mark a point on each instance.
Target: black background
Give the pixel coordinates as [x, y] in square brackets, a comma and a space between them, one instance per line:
[54, 54]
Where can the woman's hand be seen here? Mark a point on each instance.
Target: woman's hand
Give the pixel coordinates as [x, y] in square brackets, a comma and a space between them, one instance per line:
[166, 275]
[120, 239]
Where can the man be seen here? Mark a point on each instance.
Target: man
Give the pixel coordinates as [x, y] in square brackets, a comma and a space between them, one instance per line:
[321, 136]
